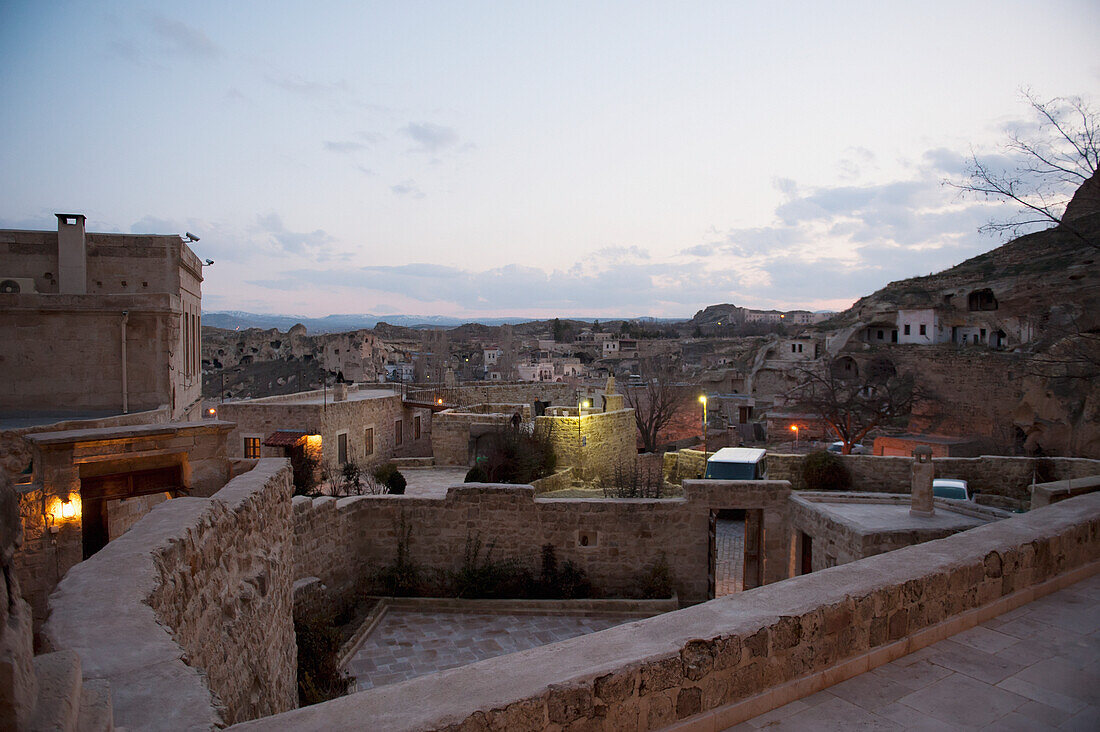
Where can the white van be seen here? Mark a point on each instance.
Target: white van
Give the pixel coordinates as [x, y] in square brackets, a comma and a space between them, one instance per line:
[737, 463]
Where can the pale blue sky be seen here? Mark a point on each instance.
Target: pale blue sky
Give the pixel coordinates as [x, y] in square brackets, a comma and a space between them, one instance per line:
[527, 158]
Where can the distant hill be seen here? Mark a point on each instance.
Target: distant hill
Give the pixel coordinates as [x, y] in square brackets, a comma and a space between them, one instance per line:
[239, 320]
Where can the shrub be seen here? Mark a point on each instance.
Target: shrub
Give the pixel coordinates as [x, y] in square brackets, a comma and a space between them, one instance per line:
[632, 479]
[402, 577]
[655, 582]
[568, 583]
[319, 677]
[476, 474]
[389, 476]
[518, 455]
[482, 577]
[303, 466]
[824, 471]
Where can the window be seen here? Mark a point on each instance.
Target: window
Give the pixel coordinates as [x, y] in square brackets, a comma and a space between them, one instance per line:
[906, 329]
[397, 432]
[416, 427]
[880, 335]
[252, 448]
[923, 329]
[368, 441]
[342, 447]
[981, 334]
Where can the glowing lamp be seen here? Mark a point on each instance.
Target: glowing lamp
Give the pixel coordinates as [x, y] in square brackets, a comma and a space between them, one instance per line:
[211, 411]
[702, 398]
[794, 428]
[587, 404]
[68, 509]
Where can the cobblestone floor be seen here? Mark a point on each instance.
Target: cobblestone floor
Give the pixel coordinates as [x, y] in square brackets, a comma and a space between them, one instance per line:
[729, 561]
[407, 644]
[1034, 668]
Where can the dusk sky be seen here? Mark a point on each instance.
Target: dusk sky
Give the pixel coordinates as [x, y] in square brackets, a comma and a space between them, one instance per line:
[534, 159]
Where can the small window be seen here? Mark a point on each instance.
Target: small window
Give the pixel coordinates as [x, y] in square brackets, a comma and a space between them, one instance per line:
[881, 335]
[416, 427]
[368, 441]
[252, 448]
[923, 329]
[981, 333]
[906, 329]
[342, 448]
[397, 432]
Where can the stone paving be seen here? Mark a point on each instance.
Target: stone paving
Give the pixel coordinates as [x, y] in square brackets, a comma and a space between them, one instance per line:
[1034, 668]
[432, 482]
[407, 644]
[729, 561]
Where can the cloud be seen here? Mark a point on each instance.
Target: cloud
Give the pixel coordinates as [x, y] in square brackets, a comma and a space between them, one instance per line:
[430, 137]
[317, 244]
[407, 188]
[183, 39]
[301, 86]
[344, 147]
[617, 254]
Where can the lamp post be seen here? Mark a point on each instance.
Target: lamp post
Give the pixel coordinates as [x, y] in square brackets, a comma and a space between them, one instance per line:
[794, 429]
[703, 401]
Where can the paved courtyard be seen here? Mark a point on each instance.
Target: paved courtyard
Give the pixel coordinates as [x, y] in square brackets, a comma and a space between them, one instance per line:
[729, 560]
[407, 644]
[432, 482]
[1034, 668]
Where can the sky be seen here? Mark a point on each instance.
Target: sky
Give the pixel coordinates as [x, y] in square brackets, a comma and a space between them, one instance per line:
[601, 159]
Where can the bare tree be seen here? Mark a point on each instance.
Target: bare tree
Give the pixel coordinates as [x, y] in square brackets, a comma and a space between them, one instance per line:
[657, 401]
[852, 405]
[1070, 348]
[1053, 159]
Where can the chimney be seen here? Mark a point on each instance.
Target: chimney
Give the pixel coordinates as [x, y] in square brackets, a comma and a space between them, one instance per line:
[921, 473]
[72, 255]
[340, 392]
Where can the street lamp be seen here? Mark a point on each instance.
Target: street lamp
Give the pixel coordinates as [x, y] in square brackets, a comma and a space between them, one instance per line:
[703, 401]
[794, 429]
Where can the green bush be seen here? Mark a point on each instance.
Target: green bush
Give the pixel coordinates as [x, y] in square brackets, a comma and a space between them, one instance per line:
[389, 476]
[319, 677]
[824, 471]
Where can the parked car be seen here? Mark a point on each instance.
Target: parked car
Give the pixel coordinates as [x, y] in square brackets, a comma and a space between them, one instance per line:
[857, 449]
[955, 488]
[737, 463]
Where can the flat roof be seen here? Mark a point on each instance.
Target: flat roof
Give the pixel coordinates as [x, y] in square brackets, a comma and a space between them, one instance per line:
[21, 419]
[872, 517]
[319, 397]
[738, 455]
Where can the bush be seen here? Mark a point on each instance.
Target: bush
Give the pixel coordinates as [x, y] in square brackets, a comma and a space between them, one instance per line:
[389, 476]
[303, 465]
[568, 583]
[319, 677]
[518, 455]
[402, 578]
[482, 577]
[633, 479]
[824, 471]
[476, 474]
[655, 582]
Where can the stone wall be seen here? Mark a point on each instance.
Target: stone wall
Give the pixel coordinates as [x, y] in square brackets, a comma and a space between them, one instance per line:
[18, 684]
[560, 480]
[609, 439]
[989, 474]
[525, 392]
[189, 614]
[613, 541]
[655, 672]
[453, 429]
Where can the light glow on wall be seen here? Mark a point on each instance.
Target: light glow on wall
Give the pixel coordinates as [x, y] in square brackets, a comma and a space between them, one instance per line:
[65, 508]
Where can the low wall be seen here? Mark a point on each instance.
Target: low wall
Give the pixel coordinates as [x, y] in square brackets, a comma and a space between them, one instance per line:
[343, 541]
[651, 673]
[560, 480]
[609, 439]
[188, 615]
[1044, 494]
[991, 474]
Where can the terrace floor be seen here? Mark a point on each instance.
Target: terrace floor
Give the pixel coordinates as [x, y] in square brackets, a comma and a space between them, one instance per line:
[407, 644]
[1034, 668]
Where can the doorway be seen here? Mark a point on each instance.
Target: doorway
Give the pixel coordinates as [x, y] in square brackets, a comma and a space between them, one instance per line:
[96, 491]
[732, 558]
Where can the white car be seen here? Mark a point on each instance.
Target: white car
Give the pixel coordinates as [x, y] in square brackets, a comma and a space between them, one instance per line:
[857, 449]
[954, 488]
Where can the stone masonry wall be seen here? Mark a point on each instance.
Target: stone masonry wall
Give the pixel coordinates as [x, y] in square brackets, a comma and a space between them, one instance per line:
[623, 536]
[989, 474]
[652, 673]
[609, 437]
[189, 614]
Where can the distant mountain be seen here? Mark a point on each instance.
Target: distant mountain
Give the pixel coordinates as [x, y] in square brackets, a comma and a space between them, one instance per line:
[236, 319]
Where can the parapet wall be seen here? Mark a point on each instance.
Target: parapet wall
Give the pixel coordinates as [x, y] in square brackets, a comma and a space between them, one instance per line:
[702, 660]
[990, 474]
[189, 614]
[597, 445]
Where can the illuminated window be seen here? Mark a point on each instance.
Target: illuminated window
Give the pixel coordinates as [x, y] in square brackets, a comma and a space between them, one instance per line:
[368, 441]
[252, 448]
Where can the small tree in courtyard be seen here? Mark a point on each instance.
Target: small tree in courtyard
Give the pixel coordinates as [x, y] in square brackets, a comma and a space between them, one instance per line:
[656, 402]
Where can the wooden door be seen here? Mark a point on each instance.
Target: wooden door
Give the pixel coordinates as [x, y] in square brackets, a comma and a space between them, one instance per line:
[712, 550]
[754, 535]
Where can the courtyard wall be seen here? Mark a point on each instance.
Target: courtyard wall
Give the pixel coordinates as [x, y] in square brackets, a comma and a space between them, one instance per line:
[188, 615]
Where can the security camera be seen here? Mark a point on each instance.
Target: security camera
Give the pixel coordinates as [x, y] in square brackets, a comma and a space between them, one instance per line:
[209, 262]
[190, 236]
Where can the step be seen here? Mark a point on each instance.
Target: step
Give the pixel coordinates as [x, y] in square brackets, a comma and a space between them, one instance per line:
[96, 714]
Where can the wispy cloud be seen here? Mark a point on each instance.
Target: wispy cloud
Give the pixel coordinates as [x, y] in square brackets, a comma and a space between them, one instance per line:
[183, 39]
[407, 188]
[296, 84]
[431, 138]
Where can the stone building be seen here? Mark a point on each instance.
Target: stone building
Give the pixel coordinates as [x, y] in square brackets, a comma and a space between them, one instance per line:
[346, 424]
[98, 324]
